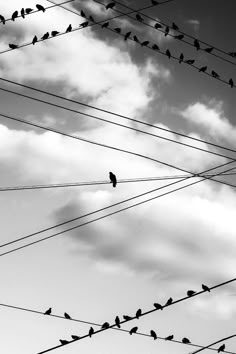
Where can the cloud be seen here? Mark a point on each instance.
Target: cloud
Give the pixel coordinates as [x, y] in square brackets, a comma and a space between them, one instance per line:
[195, 24]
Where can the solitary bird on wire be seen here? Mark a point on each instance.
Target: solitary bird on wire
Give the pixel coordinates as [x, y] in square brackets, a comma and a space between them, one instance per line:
[209, 50]
[153, 334]
[28, 10]
[40, 7]
[232, 54]
[54, 33]
[69, 29]
[127, 318]
[169, 337]
[167, 30]
[91, 332]
[157, 25]
[185, 340]
[169, 301]
[113, 179]
[181, 58]
[48, 312]
[202, 69]
[105, 25]
[221, 348]
[63, 341]
[14, 15]
[205, 288]
[67, 316]
[84, 24]
[22, 12]
[82, 14]
[133, 330]
[190, 61]
[117, 321]
[145, 43]
[191, 293]
[231, 83]
[3, 20]
[138, 313]
[105, 325]
[215, 75]
[45, 36]
[168, 53]
[35, 39]
[139, 18]
[73, 336]
[196, 44]
[175, 27]
[13, 46]
[117, 29]
[158, 306]
[127, 35]
[155, 47]
[110, 5]
[180, 37]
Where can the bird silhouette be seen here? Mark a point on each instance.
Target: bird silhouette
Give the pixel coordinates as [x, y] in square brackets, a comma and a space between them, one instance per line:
[127, 318]
[154, 2]
[202, 70]
[117, 29]
[153, 334]
[232, 54]
[63, 341]
[54, 33]
[190, 61]
[180, 37]
[209, 50]
[133, 330]
[73, 336]
[221, 348]
[110, 5]
[105, 25]
[35, 39]
[231, 85]
[13, 46]
[138, 313]
[84, 24]
[191, 292]
[48, 312]
[157, 25]
[67, 316]
[169, 301]
[113, 179]
[169, 337]
[82, 14]
[117, 321]
[127, 35]
[105, 325]
[45, 36]
[91, 18]
[145, 43]
[158, 306]
[181, 58]
[139, 18]
[22, 12]
[40, 7]
[91, 332]
[3, 20]
[185, 340]
[69, 28]
[167, 30]
[215, 75]
[196, 44]
[168, 53]
[155, 47]
[175, 27]
[28, 10]
[14, 15]
[205, 288]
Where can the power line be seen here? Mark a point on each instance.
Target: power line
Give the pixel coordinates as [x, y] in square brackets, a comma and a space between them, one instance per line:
[99, 325]
[143, 314]
[110, 214]
[218, 341]
[104, 182]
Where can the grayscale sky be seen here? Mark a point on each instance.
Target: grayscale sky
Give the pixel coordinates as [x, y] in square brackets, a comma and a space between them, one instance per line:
[148, 253]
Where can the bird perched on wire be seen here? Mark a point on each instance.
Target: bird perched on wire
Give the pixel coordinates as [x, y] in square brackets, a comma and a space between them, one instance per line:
[202, 70]
[191, 293]
[155, 47]
[127, 35]
[28, 10]
[168, 53]
[110, 5]
[67, 316]
[69, 29]
[105, 325]
[127, 318]
[14, 15]
[221, 348]
[196, 44]
[82, 14]
[13, 46]
[35, 39]
[154, 2]
[138, 313]
[157, 25]
[63, 341]
[54, 33]
[215, 75]
[91, 18]
[91, 332]
[167, 30]
[169, 301]
[40, 7]
[48, 312]
[169, 337]
[117, 29]
[231, 85]
[22, 12]
[180, 37]
[175, 27]
[113, 179]
[205, 288]
[153, 334]
[133, 330]
[117, 321]
[209, 50]
[105, 25]
[45, 36]
[181, 58]
[3, 20]
[145, 43]
[232, 54]
[158, 306]
[84, 24]
[190, 61]
[185, 340]
[73, 336]
[139, 18]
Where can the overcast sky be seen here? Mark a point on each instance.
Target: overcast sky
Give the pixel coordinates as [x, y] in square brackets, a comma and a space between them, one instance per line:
[148, 253]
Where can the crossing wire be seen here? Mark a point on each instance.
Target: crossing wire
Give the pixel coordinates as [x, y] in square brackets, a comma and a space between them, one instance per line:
[218, 341]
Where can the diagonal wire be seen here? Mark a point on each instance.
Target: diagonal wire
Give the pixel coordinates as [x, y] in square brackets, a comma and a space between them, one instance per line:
[218, 341]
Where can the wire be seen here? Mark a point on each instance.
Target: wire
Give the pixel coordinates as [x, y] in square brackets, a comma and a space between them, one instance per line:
[94, 183]
[218, 341]
[99, 325]
[133, 318]
[113, 213]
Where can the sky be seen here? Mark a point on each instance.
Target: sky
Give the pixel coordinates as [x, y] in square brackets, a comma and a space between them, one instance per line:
[140, 256]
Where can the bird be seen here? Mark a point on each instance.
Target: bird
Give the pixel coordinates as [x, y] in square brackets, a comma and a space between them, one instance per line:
[117, 29]
[181, 58]
[28, 10]
[105, 25]
[169, 337]
[232, 54]
[127, 318]
[169, 301]
[22, 12]
[139, 18]
[67, 316]
[153, 334]
[205, 287]
[35, 39]
[45, 36]
[110, 5]
[189, 61]
[3, 20]
[158, 306]
[40, 8]
[84, 24]
[69, 28]
[54, 33]
[154, 2]
[117, 321]
[175, 27]
[180, 37]
[157, 25]
[145, 43]
[215, 75]
[231, 85]
[167, 30]
[82, 14]
[105, 325]
[196, 44]
[113, 179]
[138, 313]
[221, 348]
[13, 46]
[202, 70]
[14, 15]
[91, 332]
[209, 50]
[191, 293]
[63, 341]
[155, 47]
[133, 330]
[168, 53]
[91, 18]
[185, 340]
[73, 336]
[127, 35]
[48, 312]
